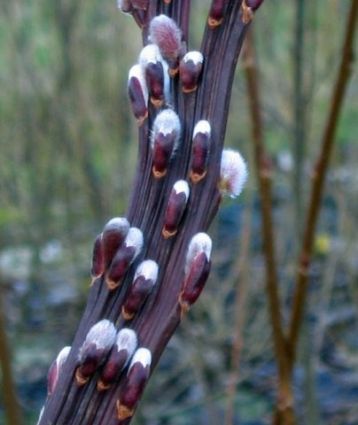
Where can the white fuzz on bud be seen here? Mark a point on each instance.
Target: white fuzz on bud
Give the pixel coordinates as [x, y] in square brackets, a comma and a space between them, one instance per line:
[233, 173]
[200, 243]
[190, 70]
[134, 240]
[149, 54]
[142, 356]
[166, 122]
[127, 340]
[102, 335]
[181, 186]
[148, 269]
[202, 126]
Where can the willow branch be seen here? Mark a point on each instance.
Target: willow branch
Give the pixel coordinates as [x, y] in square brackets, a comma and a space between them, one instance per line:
[318, 180]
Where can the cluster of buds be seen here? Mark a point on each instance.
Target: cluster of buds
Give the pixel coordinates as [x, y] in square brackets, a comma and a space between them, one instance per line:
[165, 140]
[233, 173]
[124, 257]
[99, 341]
[137, 377]
[176, 206]
[197, 269]
[55, 369]
[145, 278]
[200, 151]
[120, 355]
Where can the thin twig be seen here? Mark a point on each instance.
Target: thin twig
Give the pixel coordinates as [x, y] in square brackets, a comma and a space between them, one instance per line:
[318, 179]
[264, 176]
[11, 405]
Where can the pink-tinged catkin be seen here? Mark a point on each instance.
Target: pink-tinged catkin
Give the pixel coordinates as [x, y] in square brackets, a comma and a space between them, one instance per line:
[165, 33]
[200, 151]
[233, 173]
[176, 206]
[137, 377]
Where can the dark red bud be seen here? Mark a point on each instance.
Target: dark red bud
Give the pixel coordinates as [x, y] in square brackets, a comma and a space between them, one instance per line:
[97, 268]
[154, 75]
[124, 257]
[112, 369]
[138, 292]
[200, 151]
[162, 153]
[113, 236]
[137, 377]
[138, 93]
[190, 70]
[216, 13]
[194, 281]
[175, 208]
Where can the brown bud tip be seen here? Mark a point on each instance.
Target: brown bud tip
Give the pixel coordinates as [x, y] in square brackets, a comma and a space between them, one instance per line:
[190, 70]
[137, 377]
[176, 206]
[123, 412]
[97, 268]
[124, 257]
[99, 340]
[166, 34]
[138, 93]
[165, 140]
[254, 4]
[113, 235]
[55, 369]
[144, 279]
[126, 343]
[200, 151]
[216, 13]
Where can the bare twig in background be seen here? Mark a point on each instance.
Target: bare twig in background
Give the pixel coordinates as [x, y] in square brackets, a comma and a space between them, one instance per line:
[242, 287]
[263, 168]
[318, 179]
[11, 405]
[299, 110]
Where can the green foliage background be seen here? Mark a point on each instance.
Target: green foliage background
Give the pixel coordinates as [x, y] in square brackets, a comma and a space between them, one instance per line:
[67, 159]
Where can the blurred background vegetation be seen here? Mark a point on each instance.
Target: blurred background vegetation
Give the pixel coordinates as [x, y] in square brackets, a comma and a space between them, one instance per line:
[67, 159]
